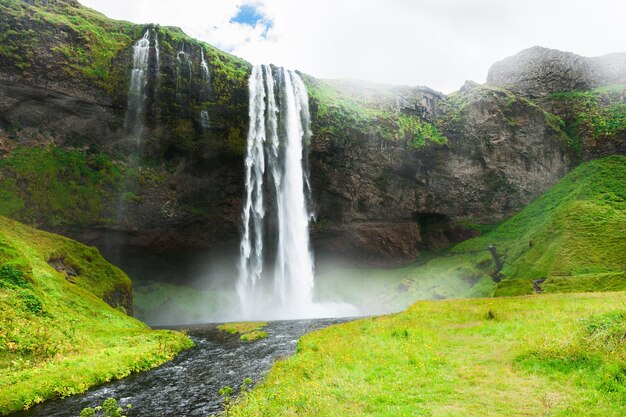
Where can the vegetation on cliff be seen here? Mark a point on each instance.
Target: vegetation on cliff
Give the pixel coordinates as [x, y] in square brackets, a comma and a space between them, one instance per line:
[342, 117]
[591, 117]
[557, 355]
[53, 187]
[573, 236]
[58, 335]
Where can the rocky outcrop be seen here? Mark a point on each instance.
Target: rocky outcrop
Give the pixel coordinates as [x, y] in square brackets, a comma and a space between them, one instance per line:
[382, 192]
[537, 71]
[501, 154]
[72, 119]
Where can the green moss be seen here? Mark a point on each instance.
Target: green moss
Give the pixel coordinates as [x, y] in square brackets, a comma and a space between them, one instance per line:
[591, 117]
[254, 335]
[58, 336]
[242, 327]
[96, 39]
[57, 187]
[337, 115]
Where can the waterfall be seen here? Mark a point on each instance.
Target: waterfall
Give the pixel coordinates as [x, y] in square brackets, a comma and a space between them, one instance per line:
[184, 66]
[204, 66]
[206, 77]
[277, 138]
[137, 88]
[157, 55]
[157, 52]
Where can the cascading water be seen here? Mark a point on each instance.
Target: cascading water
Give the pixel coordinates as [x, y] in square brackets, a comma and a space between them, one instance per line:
[206, 77]
[157, 51]
[278, 135]
[157, 55]
[137, 88]
[184, 75]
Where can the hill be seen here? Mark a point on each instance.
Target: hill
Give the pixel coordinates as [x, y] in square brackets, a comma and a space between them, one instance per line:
[58, 336]
[573, 237]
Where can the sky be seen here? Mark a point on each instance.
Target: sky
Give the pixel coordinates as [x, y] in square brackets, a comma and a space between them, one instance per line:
[437, 43]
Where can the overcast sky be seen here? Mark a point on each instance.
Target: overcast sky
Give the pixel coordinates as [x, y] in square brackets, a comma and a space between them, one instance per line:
[438, 43]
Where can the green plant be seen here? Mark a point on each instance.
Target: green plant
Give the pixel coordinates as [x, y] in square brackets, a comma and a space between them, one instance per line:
[109, 408]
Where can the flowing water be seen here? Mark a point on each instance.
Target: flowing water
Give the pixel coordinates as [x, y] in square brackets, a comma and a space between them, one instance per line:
[278, 133]
[189, 385]
[206, 77]
[157, 55]
[137, 88]
[184, 75]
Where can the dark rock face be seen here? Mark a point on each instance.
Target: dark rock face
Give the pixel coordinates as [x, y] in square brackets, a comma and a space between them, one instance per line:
[537, 71]
[371, 193]
[379, 201]
[73, 119]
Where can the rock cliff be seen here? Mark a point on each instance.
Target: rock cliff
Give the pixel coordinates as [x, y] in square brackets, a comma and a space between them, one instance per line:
[395, 170]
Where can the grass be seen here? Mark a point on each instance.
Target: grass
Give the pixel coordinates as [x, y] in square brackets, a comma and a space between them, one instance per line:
[543, 355]
[58, 336]
[574, 236]
[248, 330]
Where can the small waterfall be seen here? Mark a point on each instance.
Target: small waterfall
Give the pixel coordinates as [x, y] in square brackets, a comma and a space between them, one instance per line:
[204, 66]
[157, 55]
[157, 52]
[277, 137]
[184, 68]
[137, 88]
[206, 78]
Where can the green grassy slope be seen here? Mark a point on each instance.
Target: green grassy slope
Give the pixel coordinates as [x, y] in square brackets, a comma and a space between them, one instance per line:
[574, 236]
[57, 336]
[549, 355]
[575, 230]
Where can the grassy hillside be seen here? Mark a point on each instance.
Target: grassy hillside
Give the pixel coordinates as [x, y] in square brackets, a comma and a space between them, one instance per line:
[574, 236]
[549, 355]
[57, 335]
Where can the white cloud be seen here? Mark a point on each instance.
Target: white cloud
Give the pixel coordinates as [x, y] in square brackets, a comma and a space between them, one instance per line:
[438, 43]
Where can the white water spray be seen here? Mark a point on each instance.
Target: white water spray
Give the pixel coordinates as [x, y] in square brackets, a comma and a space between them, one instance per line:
[184, 67]
[206, 77]
[137, 88]
[277, 138]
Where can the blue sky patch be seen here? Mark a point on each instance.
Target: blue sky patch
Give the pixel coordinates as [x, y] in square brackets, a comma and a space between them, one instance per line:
[250, 16]
[247, 15]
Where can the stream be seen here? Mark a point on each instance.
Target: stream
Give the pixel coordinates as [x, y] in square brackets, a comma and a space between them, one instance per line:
[189, 384]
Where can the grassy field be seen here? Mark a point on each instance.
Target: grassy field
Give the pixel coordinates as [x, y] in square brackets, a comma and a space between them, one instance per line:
[539, 355]
[57, 335]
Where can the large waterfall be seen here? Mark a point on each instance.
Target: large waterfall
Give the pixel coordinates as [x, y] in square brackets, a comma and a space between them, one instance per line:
[277, 143]
[137, 88]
